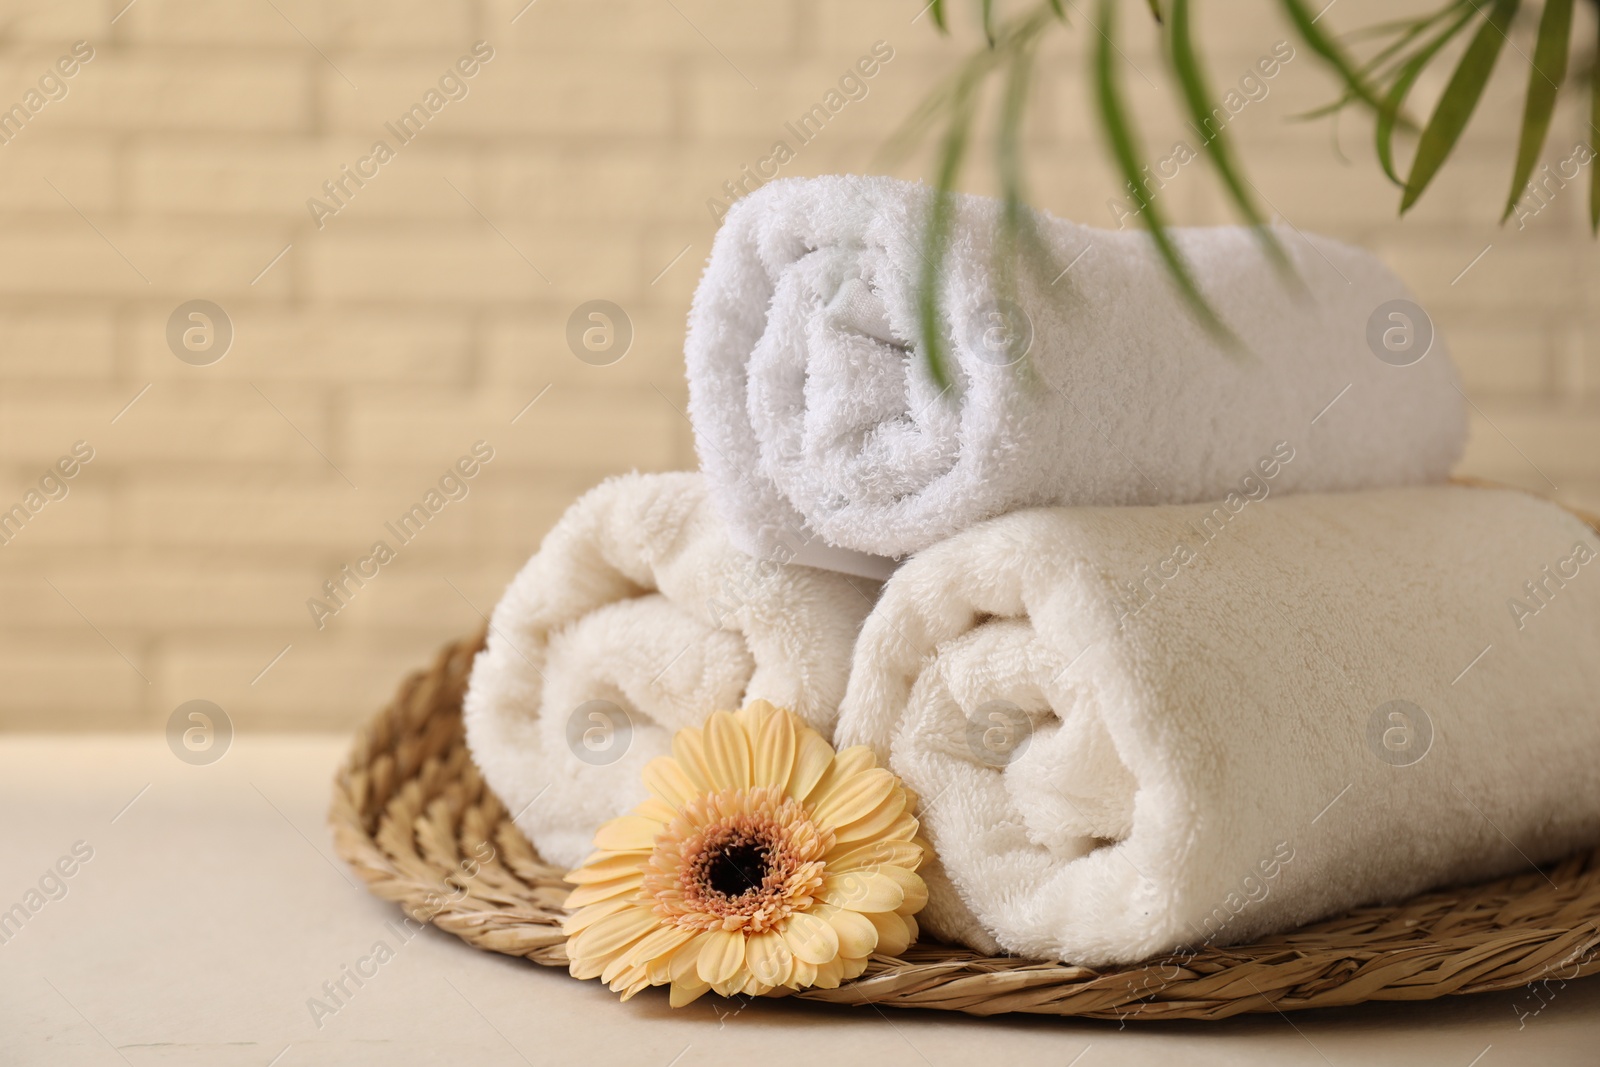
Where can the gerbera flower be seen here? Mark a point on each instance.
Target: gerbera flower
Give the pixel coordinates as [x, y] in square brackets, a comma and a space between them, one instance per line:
[762, 861]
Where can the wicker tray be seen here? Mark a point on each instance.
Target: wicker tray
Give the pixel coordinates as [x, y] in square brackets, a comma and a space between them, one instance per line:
[410, 814]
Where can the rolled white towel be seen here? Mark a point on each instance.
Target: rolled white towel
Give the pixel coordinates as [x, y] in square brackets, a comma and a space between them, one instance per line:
[816, 421]
[1140, 729]
[634, 619]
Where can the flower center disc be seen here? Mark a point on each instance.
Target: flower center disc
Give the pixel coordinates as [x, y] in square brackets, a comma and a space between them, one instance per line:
[737, 868]
[738, 859]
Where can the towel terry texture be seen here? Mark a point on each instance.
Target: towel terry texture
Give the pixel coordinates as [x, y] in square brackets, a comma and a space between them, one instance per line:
[816, 421]
[637, 618]
[1139, 729]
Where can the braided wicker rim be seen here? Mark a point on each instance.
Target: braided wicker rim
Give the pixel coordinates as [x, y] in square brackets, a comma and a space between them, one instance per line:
[410, 814]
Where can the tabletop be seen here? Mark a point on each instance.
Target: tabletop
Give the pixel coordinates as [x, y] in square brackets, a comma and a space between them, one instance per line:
[181, 914]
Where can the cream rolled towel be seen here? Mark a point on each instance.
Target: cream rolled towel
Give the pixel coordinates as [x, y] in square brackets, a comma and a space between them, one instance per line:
[816, 421]
[634, 619]
[1140, 729]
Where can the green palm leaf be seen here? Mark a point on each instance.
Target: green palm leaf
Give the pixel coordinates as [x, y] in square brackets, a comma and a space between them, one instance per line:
[1305, 23]
[1395, 99]
[1383, 81]
[1408, 30]
[956, 102]
[1198, 99]
[1460, 98]
[1594, 139]
[1544, 82]
[1119, 132]
[1009, 151]
[936, 240]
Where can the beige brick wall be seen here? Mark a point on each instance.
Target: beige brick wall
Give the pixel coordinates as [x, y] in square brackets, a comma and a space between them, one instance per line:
[430, 310]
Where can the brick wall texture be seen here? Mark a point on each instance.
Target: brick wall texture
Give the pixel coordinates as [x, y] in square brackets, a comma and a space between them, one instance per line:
[391, 310]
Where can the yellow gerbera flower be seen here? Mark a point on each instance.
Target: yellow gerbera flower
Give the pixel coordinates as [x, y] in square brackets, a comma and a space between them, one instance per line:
[762, 861]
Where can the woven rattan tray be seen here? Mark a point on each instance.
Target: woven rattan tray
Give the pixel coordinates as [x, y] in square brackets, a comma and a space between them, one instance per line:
[412, 816]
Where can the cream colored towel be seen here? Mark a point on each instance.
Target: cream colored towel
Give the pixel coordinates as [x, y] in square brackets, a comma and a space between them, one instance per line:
[634, 619]
[1138, 729]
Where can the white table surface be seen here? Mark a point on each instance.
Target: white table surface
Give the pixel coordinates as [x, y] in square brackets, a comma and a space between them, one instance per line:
[214, 908]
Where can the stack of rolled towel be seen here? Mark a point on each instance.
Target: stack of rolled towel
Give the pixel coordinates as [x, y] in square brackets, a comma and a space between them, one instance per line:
[1180, 643]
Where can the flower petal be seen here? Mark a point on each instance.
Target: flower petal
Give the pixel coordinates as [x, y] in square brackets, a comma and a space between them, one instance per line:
[905, 829]
[810, 938]
[753, 986]
[689, 752]
[755, 715]
[872, 823]
[846, 765]
[588, 967]
[623, 970]
[659, 970]
[813, 756]
[663, 777]
[727, 752]
[658, 947]
[768, 957]
[774, 750]
[687, 991]
[611, 933]
[858, 937]
[862, 891]
[914, 889]
[683, 963]
[604, 867]
[855, 855]
[895, 932]
[829, 974]
[628, 832]
[843, 800]
[653, 807]
[587, 917]
[639, 983]
[805, 974]
[721, 956]
[596, 892]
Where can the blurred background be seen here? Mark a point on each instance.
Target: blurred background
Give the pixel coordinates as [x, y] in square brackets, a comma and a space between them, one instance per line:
[383, 325]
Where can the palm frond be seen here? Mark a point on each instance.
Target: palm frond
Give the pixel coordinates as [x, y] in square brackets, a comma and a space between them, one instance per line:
[1009, 153]
[1305, 23]
[1020, 240]
[1406, 48]
[936, 240]
[956, 102]
[1594, 140]
[1379, 69]
[1460, 98]
[1395, 99]
[1197, 97]
[1118, 128]
[1544, 83]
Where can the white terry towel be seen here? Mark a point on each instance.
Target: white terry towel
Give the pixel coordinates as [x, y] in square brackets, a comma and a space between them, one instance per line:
[634, 619]
[1196, 705]
[816, 421]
